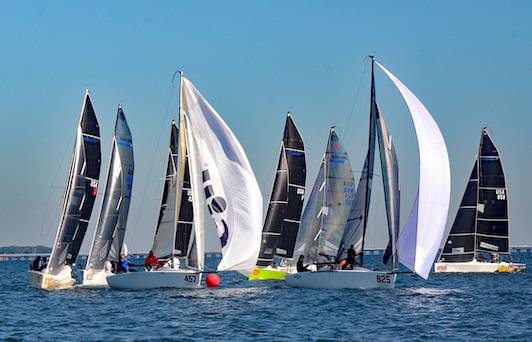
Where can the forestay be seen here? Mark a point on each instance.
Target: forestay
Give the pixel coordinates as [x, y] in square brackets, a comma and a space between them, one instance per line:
[231, 190]
[109, 234]
[420, 239]
[80, 191]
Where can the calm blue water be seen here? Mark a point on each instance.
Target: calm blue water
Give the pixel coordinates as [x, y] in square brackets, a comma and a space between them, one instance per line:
[491, 307]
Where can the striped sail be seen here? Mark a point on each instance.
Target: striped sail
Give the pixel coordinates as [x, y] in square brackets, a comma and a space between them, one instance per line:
[80, 192]
[282, 221]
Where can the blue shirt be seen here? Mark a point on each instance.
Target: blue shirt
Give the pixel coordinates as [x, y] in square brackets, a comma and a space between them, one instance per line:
[125, 265]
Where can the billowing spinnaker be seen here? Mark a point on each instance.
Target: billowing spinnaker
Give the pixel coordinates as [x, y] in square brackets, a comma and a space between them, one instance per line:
[420, 239]
[231, 190]
[111, 228]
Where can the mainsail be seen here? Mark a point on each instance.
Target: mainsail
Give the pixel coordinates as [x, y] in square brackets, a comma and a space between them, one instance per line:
[481, 223]
[286, 201]
[324, 217]
[231, 190]
[163, 242]
[80, 191]
[109, 235]
[390, 178]
[419, 241]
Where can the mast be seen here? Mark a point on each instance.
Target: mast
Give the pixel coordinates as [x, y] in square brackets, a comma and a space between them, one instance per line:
[371, 153]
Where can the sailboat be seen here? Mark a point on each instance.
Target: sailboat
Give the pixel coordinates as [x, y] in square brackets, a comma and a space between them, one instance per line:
[417, 244]
[282, 221]
[109, 235]
[480, 227]
[78, 201]
[206, 166]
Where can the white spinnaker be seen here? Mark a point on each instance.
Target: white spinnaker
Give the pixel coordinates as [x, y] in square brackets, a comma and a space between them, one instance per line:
[197, 196]
[420, 239]
[231, 190]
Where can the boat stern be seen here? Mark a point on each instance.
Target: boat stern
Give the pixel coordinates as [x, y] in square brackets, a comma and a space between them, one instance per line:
[260, 273]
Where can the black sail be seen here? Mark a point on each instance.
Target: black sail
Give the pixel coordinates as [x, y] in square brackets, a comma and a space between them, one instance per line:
[185, 220]
[481, 223]
[492, 213]
[286, 201]
[80, 192]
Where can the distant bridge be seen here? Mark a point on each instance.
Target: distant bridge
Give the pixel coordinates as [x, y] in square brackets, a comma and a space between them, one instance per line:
[367, 251]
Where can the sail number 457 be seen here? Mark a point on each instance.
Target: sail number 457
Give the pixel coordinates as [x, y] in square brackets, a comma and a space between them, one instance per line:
[384, 279]
[190, 278]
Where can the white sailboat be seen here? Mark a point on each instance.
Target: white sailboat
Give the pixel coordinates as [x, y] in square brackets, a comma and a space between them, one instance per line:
[417, 244]
[108, 238]
[78, 201]
[479, 238]
[206, 165]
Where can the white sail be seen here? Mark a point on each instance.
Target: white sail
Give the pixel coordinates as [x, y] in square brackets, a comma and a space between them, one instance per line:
[231, 190]
[420, 239]
[198, 247]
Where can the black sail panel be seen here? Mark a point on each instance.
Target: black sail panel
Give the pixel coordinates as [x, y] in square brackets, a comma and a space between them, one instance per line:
[186, 215]
[80, 192]
[460, 245]
[297, 174]
[273, 223]
[286, 202]
[492, 213]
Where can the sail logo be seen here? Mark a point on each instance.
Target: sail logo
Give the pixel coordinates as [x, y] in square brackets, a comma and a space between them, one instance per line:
[501, 194]
[216, 205]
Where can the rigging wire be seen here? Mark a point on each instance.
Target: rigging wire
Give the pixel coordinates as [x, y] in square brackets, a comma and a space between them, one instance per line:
[52, 187]
[357, 93]
[152, 163]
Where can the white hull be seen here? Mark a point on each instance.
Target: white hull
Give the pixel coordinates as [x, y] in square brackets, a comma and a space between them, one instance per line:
[477, 267]
[95, 278]
[46, 281]
[359, 278]
[155, 279]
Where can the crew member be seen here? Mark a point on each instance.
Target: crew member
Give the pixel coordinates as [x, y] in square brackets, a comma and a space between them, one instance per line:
[300, 266]
[151, 262]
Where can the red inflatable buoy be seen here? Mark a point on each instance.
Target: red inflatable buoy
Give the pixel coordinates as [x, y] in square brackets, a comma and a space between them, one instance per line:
[212, 280]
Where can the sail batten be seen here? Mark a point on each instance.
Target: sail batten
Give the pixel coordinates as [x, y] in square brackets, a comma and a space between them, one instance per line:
[81, 190]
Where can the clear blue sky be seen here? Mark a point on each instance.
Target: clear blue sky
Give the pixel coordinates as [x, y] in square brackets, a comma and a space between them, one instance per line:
[469, 62]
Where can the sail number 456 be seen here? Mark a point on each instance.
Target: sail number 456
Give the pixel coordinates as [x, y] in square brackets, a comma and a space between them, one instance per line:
[383, 279]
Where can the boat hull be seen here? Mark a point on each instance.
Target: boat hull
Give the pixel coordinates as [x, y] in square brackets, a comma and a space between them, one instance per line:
[267, 273]
[155, 279]
[49, 282]
[95, 278]
[359, 278]
[478, 267]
